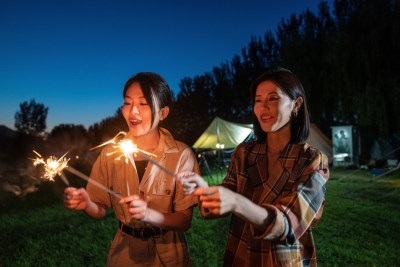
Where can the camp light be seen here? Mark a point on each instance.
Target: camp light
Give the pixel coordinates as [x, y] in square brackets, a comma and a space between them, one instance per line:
[221, 146]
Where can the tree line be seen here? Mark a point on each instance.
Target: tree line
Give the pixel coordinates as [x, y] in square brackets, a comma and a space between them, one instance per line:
[346, 57]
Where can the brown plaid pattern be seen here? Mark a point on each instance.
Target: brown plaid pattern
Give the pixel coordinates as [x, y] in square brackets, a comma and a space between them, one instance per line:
[293, 191]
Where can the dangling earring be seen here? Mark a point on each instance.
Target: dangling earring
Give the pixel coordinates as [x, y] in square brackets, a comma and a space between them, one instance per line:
[295, 114]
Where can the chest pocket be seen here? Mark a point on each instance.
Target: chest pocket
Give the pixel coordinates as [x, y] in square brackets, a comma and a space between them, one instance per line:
[162, 191]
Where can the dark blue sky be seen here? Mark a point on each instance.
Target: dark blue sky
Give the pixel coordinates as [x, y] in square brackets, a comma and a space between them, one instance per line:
[75, 56]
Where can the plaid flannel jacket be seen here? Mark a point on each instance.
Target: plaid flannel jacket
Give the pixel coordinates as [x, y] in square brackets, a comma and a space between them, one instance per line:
[293, 191]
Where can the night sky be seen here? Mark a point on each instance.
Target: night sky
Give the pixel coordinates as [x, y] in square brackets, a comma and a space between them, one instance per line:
[75, 56]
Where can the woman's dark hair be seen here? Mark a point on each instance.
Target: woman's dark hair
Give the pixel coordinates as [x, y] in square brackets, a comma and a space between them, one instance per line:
[153, 87]
[290, 86]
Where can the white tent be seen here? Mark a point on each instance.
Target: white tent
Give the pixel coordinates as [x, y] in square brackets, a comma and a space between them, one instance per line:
[319, 140]
[222, 132]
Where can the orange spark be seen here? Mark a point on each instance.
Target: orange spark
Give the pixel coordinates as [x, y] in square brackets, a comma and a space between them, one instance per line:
[125, 146]
[52, 166]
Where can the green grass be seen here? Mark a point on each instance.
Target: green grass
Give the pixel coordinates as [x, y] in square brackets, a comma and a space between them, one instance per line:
[360, 222]
[358, 227]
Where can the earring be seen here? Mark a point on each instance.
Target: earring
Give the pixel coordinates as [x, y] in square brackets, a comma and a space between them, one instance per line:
[295, 113]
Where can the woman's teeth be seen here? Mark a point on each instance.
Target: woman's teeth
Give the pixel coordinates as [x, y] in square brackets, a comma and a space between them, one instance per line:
[134, 122]
[265, 117]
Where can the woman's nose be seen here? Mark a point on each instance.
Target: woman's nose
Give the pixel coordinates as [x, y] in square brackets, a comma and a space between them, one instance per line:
[134, 109]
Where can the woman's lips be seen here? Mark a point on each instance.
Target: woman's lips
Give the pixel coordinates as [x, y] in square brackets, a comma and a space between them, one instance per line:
[135, 122]
[265, 118]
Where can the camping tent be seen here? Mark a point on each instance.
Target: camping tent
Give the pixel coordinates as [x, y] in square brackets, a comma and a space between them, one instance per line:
[319, 140]
[222, 132]
[232, 134]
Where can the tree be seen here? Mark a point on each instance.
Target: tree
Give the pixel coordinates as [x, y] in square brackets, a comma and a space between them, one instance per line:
[68, 137]
[31, 119]
[107, 128]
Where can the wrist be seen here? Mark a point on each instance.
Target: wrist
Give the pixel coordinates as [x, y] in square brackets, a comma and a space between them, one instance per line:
[203, 184]
[239, 204]
[236, 200]
[147, 216]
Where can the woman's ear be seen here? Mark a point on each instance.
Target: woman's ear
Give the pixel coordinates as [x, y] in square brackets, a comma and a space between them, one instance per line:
[297, 104]
[164, 112]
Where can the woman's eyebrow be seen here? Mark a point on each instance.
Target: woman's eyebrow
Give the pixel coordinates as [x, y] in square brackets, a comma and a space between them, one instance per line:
[127, 96]
[270, 93]
[273, 93]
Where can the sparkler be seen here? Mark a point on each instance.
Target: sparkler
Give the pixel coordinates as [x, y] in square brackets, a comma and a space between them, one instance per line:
[52, 166]
[156, 163]
[85, 177]
[127, 148]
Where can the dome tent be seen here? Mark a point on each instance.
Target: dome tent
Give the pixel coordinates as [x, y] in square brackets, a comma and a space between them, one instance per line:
[222, 132]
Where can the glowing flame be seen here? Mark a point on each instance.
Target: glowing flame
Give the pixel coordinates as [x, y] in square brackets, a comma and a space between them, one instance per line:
[125, 146]
[52, 166]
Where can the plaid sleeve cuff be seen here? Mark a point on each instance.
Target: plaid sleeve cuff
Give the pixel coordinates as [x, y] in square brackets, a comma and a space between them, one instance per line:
[276, 229]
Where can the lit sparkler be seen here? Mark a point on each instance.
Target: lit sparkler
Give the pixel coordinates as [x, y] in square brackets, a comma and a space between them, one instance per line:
[52, 166]
[85, 177]
[128, 148]
[124, 146]
[156, 163]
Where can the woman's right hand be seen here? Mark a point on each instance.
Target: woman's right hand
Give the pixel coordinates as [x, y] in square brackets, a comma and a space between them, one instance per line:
[190, 181]
[75, 199]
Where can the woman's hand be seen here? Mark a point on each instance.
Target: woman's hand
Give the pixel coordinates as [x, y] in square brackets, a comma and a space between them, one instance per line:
[75, 199]
[137, 207]
[190, 181]
[217, 200]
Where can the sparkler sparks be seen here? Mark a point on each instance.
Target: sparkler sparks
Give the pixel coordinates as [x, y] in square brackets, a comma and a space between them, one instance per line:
[52, 166]
[124, 146]
[127, 148]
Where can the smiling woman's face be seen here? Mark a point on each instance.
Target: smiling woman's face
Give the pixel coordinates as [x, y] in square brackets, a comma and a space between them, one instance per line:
[137, 112]
[272, 107]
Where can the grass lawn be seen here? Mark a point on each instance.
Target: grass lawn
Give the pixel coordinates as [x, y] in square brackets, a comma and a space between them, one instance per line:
[358, 228]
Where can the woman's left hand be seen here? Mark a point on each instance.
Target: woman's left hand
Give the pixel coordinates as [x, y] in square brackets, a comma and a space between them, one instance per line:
[137, 207]
[189, 181]
[217, 200]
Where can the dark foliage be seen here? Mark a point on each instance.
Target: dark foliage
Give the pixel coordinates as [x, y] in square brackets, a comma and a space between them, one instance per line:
[347, 60]
[31, 118]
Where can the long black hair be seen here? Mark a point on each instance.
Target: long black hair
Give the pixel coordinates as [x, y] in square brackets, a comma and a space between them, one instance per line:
[290, 86]
[153, 87]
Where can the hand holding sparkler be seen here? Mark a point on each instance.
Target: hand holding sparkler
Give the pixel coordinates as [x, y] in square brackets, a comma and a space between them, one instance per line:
[75, 199]
[137, 207]
[190, 182]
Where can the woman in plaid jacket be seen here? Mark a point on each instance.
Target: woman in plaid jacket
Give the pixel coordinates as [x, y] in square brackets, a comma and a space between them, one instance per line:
[275, 185]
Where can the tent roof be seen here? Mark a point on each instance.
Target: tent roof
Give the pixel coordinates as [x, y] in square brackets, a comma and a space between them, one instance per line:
[319, 140]
[223, 132]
